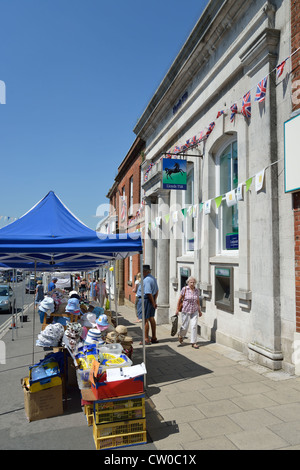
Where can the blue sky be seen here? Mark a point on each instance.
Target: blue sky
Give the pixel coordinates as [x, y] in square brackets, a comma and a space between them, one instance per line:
[78, 75]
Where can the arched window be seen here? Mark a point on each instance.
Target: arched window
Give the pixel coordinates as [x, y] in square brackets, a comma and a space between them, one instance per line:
[227, 180]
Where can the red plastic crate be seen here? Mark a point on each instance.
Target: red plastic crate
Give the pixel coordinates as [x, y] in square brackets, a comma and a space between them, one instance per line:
[119, 388]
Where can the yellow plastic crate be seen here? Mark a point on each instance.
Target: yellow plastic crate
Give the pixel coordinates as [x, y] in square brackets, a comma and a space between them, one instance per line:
[89, 414]
[120, 414]
[126, 433]
[45, 384]
[130, 401]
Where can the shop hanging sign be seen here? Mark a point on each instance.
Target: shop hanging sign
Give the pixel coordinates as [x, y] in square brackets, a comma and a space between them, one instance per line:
[173, 174]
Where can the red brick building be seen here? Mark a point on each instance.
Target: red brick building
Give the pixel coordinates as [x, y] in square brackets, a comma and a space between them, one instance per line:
[127, 215]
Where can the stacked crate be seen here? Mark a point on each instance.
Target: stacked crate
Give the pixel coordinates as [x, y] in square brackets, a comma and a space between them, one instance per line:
[119, 422]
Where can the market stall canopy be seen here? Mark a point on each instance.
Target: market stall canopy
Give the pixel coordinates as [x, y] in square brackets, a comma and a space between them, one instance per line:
[51, 237]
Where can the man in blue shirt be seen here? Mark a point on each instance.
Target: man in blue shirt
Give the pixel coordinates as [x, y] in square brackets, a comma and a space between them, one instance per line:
[150, 305]
[51, 285]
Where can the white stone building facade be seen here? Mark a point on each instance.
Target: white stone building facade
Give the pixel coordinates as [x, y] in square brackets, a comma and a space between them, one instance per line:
[242, 255]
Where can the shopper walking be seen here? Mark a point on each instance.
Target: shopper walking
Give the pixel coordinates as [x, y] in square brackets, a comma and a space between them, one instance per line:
[83, 288]
[150, 305]
[135, 289]
[93, 289]
[39, 292]
[97, 290]
[190, 310]
[103, 293]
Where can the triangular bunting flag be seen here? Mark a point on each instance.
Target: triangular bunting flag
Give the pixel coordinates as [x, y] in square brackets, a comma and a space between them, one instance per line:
[261, 91]
[248, 184]
[218, 201]
[246, 105]
[280, 68]
[234, 110]
[231, 198]
[190, 210]
[239, 192]
[167, 217]
[207, 207]
[259, 180]
[201, 206]
[175, 216]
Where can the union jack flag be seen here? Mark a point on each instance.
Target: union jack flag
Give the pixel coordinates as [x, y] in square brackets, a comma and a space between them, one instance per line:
[194, 140]
[234, 110]
[261, 90]
[246, 105]
[220, 114]
[200, 136]
[280, 68]
[210, 128]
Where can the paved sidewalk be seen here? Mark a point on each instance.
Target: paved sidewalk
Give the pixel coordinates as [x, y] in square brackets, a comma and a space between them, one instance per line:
[214, 398]
[211, 398]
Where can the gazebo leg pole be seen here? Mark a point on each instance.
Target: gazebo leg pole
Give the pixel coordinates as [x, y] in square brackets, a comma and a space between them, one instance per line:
[115, 291]
[34, 309]
[143, 314]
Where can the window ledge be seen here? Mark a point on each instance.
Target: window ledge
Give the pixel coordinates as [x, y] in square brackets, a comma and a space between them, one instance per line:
[225, 259]
[187, 258]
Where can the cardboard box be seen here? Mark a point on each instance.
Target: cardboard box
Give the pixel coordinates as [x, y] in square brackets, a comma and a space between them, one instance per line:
[43, 404]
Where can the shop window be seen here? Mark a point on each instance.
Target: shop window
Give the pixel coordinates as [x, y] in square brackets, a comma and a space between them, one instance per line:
[188, 221]
[130, 269]
[130, 210]
[227, 180]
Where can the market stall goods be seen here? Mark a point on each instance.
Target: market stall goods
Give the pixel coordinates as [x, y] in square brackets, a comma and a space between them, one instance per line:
[51, 336]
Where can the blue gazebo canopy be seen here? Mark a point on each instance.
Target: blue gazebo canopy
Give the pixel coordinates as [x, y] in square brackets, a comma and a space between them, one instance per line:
[50, 237]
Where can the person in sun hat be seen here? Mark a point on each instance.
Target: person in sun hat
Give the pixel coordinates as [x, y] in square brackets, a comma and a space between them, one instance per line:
[46, 306]
[150, 305]
[39, 292]
[74, 295]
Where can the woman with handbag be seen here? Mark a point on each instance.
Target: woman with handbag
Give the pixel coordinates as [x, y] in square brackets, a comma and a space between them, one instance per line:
[189, 306]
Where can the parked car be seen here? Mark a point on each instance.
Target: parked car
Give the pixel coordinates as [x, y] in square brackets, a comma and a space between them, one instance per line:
[7, 299]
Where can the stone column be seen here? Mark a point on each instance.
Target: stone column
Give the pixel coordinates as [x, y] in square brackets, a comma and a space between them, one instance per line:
[162, 262]
[147, 240]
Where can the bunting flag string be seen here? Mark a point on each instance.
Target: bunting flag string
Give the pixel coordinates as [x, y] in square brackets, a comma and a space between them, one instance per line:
[138, 214]
[231, 197]
[260, 95]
